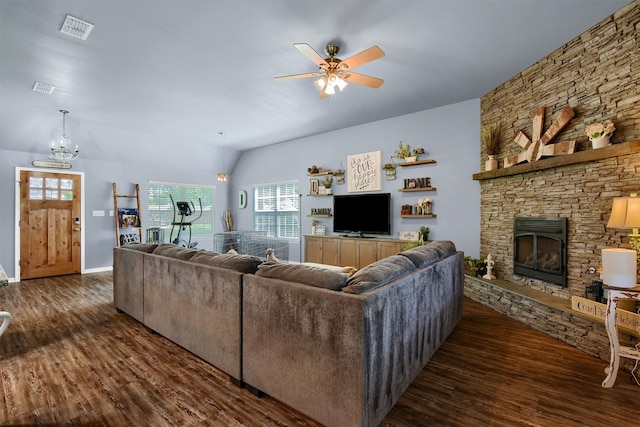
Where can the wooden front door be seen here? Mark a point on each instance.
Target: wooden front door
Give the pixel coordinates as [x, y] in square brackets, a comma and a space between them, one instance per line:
[49, 224]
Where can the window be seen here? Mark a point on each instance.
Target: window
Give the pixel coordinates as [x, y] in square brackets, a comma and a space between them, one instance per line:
[161, 211]
[276, 209]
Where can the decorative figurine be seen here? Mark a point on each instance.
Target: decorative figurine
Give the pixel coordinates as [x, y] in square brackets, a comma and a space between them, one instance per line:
[490, 263]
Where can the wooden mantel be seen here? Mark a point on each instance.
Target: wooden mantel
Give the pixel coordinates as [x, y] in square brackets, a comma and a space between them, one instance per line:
[585, 156]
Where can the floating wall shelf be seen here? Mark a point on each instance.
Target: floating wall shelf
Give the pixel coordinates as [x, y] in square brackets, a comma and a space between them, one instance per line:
[417, 162]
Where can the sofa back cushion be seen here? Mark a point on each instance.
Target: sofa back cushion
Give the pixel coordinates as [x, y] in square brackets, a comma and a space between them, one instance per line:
[378, 273]
[174, 251]
[204, 257]
[317, 276]
[423, 256]
[237, 262]
[142, 247]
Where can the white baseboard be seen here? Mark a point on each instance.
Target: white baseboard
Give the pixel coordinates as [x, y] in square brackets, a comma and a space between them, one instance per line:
[97, 270]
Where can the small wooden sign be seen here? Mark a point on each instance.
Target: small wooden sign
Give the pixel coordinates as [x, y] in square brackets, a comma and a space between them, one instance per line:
[626, 320]
[50, 164]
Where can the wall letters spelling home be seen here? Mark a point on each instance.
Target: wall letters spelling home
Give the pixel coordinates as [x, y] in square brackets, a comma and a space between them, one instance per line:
[364, 171]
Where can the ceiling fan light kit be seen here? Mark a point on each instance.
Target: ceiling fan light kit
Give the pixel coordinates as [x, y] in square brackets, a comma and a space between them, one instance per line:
[335, 73]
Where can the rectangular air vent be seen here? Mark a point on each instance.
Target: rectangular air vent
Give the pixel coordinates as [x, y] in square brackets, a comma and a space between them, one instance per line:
[43, 88]
[76, 27]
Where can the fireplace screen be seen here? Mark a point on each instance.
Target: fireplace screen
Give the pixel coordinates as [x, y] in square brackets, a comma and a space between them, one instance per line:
[540, 249]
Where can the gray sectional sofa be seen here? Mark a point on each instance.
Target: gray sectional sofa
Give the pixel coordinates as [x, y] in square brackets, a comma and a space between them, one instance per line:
[339, 348]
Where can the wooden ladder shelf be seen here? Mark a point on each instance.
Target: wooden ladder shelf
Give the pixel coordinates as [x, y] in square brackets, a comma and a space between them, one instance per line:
[116, 212]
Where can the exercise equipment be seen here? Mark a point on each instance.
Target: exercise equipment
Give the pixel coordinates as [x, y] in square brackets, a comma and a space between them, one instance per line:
[185, 209]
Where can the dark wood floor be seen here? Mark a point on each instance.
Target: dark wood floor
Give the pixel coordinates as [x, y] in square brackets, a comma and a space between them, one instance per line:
[70, 358]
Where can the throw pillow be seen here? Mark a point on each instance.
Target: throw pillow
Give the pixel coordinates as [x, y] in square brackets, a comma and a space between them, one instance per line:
[378, 273]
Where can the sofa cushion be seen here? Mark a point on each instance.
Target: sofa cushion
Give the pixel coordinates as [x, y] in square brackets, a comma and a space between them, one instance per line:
[423, 256]
[378, 273]
[142, 247]
[173, 251]
[317, 276]
[238, 262]
[204, 257]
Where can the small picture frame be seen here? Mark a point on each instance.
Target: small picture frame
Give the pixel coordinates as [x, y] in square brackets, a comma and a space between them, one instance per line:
[409, 235]
[314, 186]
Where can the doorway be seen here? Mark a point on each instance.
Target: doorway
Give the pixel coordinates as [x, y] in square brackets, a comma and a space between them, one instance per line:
[50, 223]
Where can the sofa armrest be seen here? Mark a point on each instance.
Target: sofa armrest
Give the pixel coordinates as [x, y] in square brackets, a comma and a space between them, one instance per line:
[128, 282]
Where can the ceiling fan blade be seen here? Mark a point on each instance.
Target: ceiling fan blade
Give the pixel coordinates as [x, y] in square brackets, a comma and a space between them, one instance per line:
[311, 54]
[368, 55]
[299, 76]
[361, 79]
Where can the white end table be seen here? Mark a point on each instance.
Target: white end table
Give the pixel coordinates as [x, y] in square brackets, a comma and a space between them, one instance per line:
[617, 351]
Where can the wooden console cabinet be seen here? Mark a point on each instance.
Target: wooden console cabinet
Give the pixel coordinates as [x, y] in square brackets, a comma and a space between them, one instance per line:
[349, 251]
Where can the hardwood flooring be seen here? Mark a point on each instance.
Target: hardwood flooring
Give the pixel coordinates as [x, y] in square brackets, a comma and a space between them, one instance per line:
[68, 358]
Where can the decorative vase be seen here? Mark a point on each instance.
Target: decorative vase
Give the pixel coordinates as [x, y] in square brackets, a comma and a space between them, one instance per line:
[600, 142]
[327, 190]
[411, 159]
[492, 163]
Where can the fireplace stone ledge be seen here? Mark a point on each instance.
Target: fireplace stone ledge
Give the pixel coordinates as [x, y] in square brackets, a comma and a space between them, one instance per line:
[548, 314]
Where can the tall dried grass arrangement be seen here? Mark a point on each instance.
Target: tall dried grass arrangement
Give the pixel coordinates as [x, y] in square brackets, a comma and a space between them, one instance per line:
[490, 137]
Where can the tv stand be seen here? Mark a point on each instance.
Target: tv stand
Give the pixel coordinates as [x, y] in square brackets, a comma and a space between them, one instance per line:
[349, 250]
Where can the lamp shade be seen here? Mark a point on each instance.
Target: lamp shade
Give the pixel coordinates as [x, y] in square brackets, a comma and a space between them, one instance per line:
[625, 213]
[619, 268]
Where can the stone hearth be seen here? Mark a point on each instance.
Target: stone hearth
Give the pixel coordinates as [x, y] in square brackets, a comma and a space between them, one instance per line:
[548, 314]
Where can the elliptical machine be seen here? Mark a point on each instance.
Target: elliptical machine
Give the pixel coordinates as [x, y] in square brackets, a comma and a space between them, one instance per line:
[186, 209]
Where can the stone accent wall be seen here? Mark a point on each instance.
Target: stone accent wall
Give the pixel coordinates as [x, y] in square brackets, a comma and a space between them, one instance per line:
[598, 75]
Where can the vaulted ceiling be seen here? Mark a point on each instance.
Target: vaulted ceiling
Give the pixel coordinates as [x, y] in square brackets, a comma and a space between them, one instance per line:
[179, 72]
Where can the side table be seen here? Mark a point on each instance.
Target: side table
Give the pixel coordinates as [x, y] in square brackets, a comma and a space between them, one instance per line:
[617, 351]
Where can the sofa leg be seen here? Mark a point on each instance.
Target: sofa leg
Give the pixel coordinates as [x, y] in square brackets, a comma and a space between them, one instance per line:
[254, 390]
[236, 382]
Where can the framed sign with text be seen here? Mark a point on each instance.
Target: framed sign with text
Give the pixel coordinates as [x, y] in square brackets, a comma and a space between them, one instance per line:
[363, 172]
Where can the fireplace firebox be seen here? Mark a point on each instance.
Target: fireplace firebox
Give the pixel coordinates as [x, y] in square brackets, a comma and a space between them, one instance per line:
[540, 249]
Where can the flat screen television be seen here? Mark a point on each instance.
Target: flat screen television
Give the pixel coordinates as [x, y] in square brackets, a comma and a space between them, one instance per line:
[368, 213]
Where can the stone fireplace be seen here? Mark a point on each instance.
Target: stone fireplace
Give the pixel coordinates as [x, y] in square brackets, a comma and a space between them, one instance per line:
[596, 74]
[597, 87]
[540, 249]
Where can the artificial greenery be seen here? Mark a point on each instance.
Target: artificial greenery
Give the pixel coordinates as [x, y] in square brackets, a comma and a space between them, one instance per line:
[490, 136]
[474, 267]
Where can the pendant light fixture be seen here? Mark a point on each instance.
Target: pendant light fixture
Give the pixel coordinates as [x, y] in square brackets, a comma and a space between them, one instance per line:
[61, 147]
[222, 176]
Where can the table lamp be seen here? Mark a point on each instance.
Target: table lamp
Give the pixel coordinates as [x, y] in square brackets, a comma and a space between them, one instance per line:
[619, 266]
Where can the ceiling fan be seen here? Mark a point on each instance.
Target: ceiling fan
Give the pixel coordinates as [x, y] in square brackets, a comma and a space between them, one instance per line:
[335, 73]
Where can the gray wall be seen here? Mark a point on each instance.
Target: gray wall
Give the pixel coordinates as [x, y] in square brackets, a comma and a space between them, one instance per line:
[449, 134]
[98, 195]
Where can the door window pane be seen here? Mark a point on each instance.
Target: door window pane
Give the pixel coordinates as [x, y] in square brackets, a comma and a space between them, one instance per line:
[35, 182]
[52, 194]
[35, 194]
[66, 184]
[52, 183]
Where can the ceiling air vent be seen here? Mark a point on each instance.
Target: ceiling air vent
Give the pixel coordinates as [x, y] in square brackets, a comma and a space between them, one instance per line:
[43, 88]
[76, 27]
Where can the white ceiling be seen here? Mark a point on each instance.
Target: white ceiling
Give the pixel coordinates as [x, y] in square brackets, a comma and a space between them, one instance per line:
[181, 71]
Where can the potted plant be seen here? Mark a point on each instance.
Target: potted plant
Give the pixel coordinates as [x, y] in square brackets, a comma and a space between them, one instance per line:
[328, 180]
[390, 169]
[474, 267]
[405, 152]
[339, 175]
[599, 133]
[490, 136]
[424, 234]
